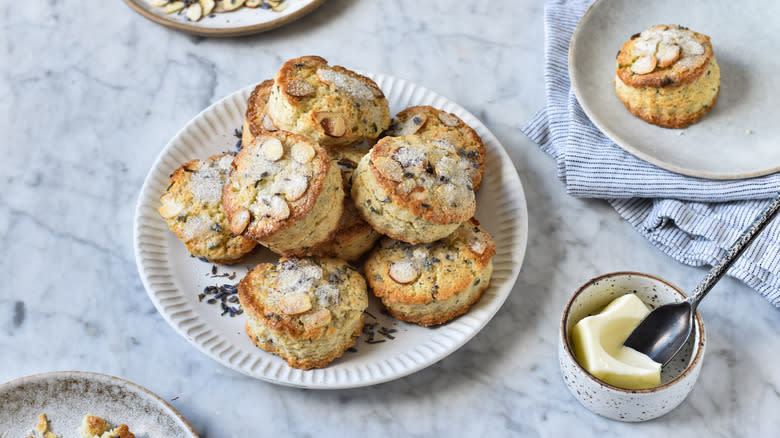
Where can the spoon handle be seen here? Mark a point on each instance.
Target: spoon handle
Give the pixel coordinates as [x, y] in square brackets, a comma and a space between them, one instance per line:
[734, 252]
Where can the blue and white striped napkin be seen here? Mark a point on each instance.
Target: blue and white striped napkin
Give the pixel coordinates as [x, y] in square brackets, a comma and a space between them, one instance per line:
[691, 219]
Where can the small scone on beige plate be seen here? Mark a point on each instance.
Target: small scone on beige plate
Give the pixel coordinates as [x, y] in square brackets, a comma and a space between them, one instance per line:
[192, 207]
[284, 192]
[331, 105]
[446, 129]
[668, 76]
[307, 310]
[432, 283]
[413, 189]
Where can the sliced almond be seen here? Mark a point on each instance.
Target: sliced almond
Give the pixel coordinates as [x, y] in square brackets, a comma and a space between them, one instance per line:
[253, 3]
[295, 304]
[239, 221]
[279, 6]
[332, 123]
[230, 5]
[389, 168]
[411, 126]
[159, 3]
[268, 124]
[279, 210]
[667, 54]
[273, 149]
[406, 186]
[170, 8]
[320, 318]
[299, 88]
[170, 207]
[691, 47]
[449, 119]
[404, 271]
[478, 246]
[295, 187]
[644, 65]
[302, 152]
[208, 6]
[194, 12]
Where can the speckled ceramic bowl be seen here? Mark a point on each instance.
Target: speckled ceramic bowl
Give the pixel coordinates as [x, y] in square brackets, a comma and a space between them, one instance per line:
[677, 377]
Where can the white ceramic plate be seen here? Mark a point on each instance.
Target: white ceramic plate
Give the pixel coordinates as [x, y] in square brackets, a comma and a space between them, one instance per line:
[244, 21]
[174, 279]
[66, 396]
[717, 146]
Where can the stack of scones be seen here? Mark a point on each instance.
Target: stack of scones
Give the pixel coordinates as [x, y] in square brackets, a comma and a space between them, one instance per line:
[324, 177]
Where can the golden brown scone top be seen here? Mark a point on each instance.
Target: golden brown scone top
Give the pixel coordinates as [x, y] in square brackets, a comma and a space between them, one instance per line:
[428, 178]
[438, 125]
[304, 297]
[426, 272]
[335, 106]
[275, 181]
[192, 208]
[663, 56]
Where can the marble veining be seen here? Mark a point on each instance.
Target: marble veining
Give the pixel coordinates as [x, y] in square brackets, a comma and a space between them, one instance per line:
[90, 94]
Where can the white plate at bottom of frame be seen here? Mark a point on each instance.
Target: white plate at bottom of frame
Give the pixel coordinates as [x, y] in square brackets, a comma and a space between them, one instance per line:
[67, 396]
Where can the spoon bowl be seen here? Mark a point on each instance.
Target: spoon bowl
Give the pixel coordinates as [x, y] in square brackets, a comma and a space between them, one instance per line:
[663, 332]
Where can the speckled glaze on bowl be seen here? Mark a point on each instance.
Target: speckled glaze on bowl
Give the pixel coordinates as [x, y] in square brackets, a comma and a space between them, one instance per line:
[631, 405]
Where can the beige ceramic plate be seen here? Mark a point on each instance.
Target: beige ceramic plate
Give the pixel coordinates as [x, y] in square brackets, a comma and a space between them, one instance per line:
[717, 146]
[173, 279]
[245, 21]
[66, 396]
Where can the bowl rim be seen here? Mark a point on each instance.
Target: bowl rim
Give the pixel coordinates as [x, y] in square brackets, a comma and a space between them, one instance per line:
[699, 346]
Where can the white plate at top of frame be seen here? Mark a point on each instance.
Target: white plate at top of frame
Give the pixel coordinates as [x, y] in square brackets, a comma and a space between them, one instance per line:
[173, 279]
[718, 146]
[243, 21]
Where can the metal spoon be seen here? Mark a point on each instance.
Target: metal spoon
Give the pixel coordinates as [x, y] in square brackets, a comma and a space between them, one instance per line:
[664, 331]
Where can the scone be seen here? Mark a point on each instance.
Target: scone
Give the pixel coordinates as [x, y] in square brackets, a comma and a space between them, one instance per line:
[430, 284]
[283, 192]
[192, 207]
[308, 311]
[668, 76]
[353, 237]
[256, 121]
[413, 190]
[347, 158]
[446, 129]
[329, 104]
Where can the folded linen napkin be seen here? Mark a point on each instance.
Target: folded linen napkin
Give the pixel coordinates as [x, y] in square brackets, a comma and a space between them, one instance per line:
[691, 219]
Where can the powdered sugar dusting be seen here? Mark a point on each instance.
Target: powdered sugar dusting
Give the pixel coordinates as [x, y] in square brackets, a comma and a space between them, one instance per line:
[444, 144]
[409, 157]
[206, 183]
[195, 227]
[297, 276]
[327, 295]
[345, 83]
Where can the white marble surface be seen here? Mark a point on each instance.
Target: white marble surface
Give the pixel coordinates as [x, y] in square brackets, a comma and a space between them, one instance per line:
[90, 94]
